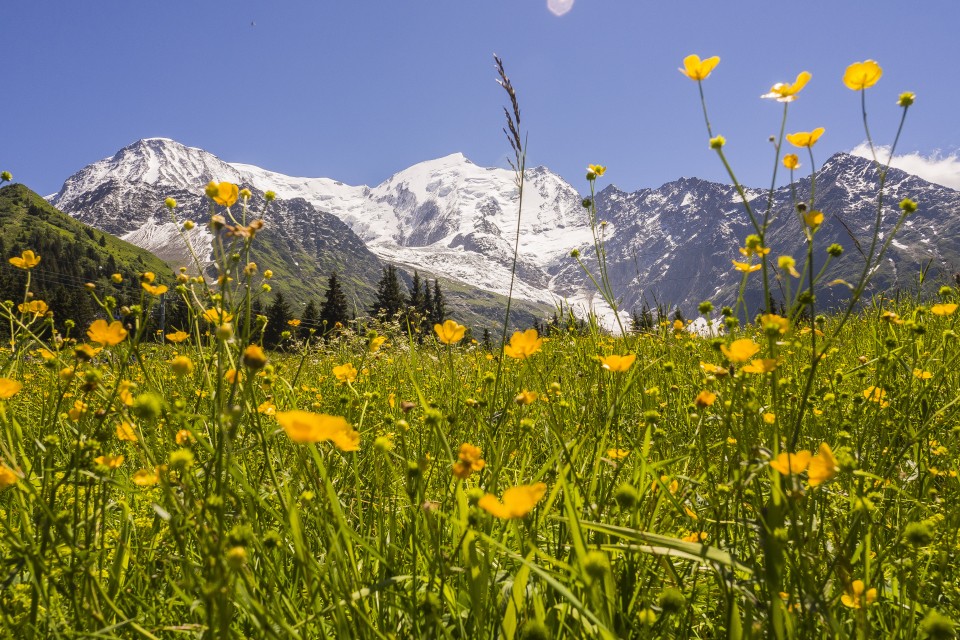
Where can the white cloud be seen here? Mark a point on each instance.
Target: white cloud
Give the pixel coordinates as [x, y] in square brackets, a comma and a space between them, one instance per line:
[559, 7]
[936, 167]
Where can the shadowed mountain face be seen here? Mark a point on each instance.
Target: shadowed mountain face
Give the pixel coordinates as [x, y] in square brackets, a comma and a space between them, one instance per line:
[452, 219]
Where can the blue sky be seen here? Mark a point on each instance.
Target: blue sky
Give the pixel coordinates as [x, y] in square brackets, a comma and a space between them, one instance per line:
[359, 90]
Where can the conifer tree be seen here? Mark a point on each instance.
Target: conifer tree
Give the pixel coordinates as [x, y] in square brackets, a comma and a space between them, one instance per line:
[310, 319]
[334, 309]
[415, 301]
[439, 311]
[278, 314]
[390, 298]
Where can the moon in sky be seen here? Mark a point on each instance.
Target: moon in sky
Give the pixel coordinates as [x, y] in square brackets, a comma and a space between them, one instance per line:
[559, 7]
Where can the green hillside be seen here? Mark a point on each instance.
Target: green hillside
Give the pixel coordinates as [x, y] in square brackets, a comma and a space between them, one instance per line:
[72, 254]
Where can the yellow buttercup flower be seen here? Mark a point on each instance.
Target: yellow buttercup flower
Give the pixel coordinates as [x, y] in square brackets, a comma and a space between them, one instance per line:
[697, 69]
[34, 307]
[217, 316]
[110, 462]
[788, 264]
[714, 370]
[526, 397]
[823, 466]
[304, 427]
[450, 332]
[345, 372]
[517, 501]
[920, 374]
[177, 336]
[773, 323]
[618, 454]
[746, 267]
[181, 366]
[783, 92]
[705, 398]
[862, 75]
[223, 193]
[859, 596]
[145, 477]
[813, 219]
[27, 260]
[107, 334]
[9, 388]
[523, 345]
[154, 290]
[468, 460]
[791, 161]
[877, 395]
[596, 169]
[7, 477]
[943, 309]
[762, 365]
[126, 432]
[795, 463]
[616, 363]
[740, 350]
[805, 139]
[375, 343]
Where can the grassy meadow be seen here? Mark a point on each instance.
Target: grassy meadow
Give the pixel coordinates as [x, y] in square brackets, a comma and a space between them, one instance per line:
[796, 477]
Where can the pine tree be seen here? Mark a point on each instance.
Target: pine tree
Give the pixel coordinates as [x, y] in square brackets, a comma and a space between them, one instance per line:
[334, 308]
[415, 301]
[278, 314]
[427, 309]
[310, 319]
[439, 311]
[390, 299]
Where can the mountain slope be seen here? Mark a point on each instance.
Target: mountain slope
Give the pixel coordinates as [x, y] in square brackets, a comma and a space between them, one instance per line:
[453, 220]
[71, 255]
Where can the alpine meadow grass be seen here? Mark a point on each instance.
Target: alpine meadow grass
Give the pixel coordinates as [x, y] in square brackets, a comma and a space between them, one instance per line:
[796, 477]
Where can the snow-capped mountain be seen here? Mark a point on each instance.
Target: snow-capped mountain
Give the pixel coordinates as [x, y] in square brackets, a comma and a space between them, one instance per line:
[124, 195]
[451, 218]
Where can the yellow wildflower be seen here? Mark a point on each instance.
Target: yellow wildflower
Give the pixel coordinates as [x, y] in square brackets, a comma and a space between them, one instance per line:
[943, 309]
[7, 477]
[9, 388]
[110, 462]
[705, 399]
[217, 316]
[181, 365]
[517, 501]
[697, 69]
[304, 427]
[146, 477]
[177, 336]
[450, 332]
[345, 372]
[617, 363]
[823, 466]
[813, 219]
[805, 139]
[154, 290]
[107, 334]
[27, 260]
[762, 365]
[791, 161]
[740, 350]
[862, 75]
[596, 169]
[523, 345]
[878, 395]
[468, 460]
[223, 193]
[34, 307]
[618, 454]
[859, 596]
[746, 267]
[795, 463]
[525, 397]
[783, 92]
[126, 432]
